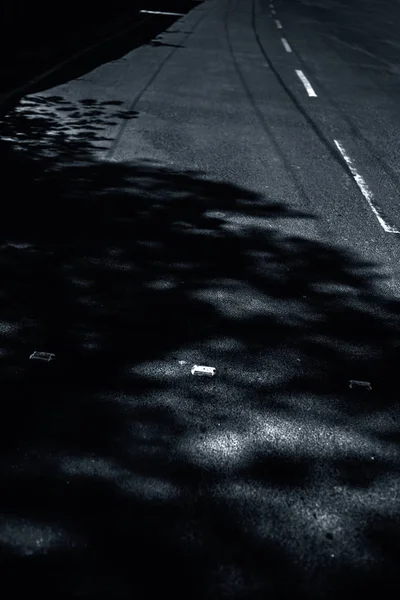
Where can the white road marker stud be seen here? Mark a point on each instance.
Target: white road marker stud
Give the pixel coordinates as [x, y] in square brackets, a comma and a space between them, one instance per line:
[158, 12]
[306, 83]
[199, 370]
[286, 45]
[278, 24]
[365, 191]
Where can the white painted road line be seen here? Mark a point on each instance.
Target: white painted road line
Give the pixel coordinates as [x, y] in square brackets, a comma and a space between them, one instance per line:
[306, 83]
[278, 24]
[273, 11]
[286, 45]
[158, 12]
[365, 191]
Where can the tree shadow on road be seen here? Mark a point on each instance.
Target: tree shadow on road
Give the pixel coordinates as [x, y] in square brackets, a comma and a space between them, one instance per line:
[122, 474]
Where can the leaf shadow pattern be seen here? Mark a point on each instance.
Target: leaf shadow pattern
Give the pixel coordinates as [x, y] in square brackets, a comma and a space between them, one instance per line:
[121, 474]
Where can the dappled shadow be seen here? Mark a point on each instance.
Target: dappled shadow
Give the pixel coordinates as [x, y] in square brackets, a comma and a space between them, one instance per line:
[120, 468]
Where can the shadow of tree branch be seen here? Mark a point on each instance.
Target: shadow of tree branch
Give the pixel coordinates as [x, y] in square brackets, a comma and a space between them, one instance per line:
[120, 468]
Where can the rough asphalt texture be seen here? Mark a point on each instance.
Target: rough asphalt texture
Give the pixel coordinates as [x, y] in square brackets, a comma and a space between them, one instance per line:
[176, 200]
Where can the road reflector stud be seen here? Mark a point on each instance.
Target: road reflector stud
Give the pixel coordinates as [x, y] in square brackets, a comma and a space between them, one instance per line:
[46, 356]
[201, 370]
[354, 383]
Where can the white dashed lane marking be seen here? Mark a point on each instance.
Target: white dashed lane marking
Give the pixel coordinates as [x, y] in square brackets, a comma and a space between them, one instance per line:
[306, 83]
[286, 45]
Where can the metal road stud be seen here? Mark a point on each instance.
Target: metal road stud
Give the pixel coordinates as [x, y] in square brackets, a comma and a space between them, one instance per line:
[356, 383]
[46, 356]
[201, 370]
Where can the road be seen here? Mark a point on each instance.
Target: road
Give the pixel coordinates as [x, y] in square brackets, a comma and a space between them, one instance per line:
[220, 189]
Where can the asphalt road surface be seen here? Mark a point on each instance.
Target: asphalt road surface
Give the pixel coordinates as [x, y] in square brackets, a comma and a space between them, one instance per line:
[217, 188]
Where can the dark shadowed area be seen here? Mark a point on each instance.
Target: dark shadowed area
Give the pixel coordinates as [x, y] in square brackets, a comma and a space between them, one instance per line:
[113, 464]
[39, 38]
